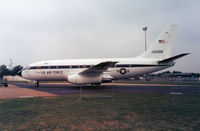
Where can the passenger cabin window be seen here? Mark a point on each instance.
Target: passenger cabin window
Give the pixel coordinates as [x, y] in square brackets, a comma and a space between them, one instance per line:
[74, 66]
[53, 67]
[82, 66]
[79, 66]
[88, 66]
[63, 67]
[132, 65]
[44, 67]
[125, 65]
[38, 67]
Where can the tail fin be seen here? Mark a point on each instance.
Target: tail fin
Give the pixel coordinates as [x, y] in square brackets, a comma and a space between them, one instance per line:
[162, 46]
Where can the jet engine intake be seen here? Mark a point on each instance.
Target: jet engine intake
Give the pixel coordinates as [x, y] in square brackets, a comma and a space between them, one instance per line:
[80, 79]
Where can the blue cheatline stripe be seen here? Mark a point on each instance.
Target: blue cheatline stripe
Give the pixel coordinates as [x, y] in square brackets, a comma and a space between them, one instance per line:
[63, 67]
[88, 66]
[124, 65]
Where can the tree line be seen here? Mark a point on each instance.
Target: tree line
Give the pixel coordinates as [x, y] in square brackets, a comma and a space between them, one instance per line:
[4, 70]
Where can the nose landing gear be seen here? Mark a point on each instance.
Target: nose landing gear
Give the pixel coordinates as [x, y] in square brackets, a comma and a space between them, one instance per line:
[36, 84]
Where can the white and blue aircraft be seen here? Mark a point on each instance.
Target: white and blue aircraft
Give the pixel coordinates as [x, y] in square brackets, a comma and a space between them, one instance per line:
[97, 71]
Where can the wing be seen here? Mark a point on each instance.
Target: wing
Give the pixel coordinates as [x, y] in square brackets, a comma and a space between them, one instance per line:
[98, 69]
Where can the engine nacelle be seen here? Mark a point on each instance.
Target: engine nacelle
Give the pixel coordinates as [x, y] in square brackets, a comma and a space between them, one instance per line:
[80, 79]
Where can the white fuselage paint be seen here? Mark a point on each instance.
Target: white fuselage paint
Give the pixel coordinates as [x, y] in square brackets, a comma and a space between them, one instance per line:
[143, 66]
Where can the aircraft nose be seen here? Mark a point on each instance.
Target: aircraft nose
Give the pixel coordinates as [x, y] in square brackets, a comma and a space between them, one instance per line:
[19, 73]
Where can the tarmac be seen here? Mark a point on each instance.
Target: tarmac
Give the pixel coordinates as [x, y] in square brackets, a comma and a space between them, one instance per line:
[27, 90]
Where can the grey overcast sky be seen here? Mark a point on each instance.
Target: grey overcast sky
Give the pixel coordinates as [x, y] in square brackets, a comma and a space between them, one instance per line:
[35, 30]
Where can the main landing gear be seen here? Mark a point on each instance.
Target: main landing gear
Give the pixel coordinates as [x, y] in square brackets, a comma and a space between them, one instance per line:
[96, 84]
[36, 84]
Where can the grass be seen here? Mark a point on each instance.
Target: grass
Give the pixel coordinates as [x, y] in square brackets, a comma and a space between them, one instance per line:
[128, 112]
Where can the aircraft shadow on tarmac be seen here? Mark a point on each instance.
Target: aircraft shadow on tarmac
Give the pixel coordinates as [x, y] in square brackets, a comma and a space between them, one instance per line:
[62, 89]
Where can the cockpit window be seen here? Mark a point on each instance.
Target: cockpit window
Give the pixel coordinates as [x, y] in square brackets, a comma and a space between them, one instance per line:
[35, 67]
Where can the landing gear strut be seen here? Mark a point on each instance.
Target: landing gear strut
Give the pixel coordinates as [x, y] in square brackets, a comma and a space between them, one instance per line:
[96, 84]
[36, 84]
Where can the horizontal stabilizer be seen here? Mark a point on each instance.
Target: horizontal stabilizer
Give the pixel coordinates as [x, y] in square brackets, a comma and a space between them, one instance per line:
[173, 58]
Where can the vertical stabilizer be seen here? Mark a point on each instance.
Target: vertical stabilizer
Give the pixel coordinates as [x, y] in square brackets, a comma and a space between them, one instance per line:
[162, 46]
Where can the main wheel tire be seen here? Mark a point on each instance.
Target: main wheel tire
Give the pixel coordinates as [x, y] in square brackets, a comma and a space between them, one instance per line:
[36, 84]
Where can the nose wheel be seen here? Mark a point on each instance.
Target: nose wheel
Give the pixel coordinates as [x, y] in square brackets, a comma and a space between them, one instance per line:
[36, 84]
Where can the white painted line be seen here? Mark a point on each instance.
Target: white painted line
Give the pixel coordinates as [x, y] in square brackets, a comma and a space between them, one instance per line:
[176, 93]
[26, 96]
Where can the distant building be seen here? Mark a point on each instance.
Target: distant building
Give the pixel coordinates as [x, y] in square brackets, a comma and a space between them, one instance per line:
[174, 76]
